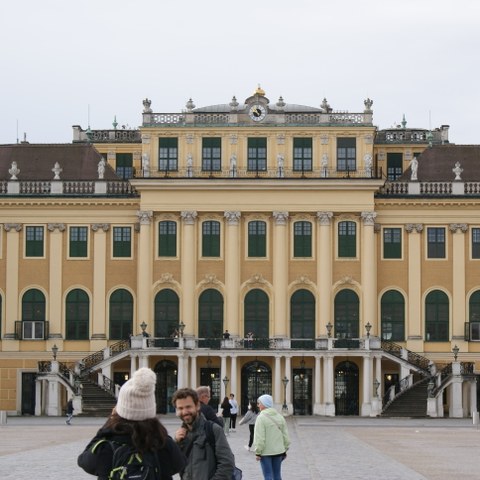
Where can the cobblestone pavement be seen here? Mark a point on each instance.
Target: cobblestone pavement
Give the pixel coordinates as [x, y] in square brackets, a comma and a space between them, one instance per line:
[340, 448]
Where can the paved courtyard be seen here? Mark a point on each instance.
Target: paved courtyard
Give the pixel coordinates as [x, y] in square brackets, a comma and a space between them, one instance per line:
[340, 448]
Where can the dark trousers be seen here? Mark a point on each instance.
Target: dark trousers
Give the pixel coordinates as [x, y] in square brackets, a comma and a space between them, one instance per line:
[252, 430]
[233, 420]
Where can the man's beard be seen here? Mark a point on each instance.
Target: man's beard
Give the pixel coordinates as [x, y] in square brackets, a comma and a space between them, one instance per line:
[189, 418]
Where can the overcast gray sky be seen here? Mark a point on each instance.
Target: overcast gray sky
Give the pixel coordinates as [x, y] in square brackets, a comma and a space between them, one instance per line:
[64, 62]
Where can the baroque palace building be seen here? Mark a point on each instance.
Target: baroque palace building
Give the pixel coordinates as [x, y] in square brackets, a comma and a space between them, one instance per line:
[255, 247]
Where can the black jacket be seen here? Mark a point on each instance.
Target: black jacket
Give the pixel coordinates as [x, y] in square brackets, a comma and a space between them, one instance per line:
[209, 414]
[99, 463]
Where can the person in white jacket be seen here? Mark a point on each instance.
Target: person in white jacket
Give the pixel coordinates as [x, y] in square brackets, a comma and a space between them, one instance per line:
[271, 439]
[250, 418]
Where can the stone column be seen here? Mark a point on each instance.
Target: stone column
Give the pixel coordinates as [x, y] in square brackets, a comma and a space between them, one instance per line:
[367, 385]
[223, 372]
[318, 387]
[233, 374]
[280, 274]
[193, 371]
[55, 283]
[458, 265]
[277, 381]
[181, 378]
[13, 255]
[232, 272]
[328, 378]
[413, 320]
[288, 374]
[133, 364]
[145, 271]
[369, 272]
[325, 256]
[99, 312]
[188, 270]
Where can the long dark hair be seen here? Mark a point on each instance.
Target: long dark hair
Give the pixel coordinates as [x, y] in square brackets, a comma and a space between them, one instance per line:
[146, 435]
[254, 407]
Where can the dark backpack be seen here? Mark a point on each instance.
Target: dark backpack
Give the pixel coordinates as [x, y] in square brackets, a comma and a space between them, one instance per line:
[237, 473]
[129, 464]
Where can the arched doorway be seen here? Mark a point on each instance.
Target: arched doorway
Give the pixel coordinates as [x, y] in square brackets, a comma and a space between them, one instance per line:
[256, 380]
[346, 389]
[166, 372]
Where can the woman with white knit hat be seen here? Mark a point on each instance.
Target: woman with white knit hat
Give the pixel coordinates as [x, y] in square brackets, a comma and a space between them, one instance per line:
[271, 439]
[134, 422]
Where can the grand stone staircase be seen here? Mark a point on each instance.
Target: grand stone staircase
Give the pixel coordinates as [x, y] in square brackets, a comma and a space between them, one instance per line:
[411, 402]
[96, 402]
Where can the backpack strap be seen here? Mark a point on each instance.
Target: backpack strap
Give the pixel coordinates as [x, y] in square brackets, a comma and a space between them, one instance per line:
[209, 433]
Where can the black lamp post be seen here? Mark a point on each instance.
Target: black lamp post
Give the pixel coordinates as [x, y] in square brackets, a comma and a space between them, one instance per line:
[225, 383]
[285, 383]
[55, 351]
[368, 327]
[455, 351]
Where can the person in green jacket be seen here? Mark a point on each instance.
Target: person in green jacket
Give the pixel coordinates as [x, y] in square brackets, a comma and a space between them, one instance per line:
[271, 439]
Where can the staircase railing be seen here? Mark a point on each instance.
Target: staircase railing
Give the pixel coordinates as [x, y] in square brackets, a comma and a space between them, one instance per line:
[466, 368]
[413, 358]
[107, 384]
[87, 363]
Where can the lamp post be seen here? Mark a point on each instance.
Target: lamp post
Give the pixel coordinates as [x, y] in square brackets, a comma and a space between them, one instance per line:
[376, 384]
[368, 327]
[285, 383]
[329, 329]
[225, 383]
[54, 351]
[143, 326]
[455, 351]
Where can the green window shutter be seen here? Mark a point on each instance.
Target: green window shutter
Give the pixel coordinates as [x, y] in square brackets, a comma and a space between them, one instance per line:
[257, 239]
[436, 317]
[77, 315]
[436, 242]
[212, 154]
[124, 165]
[257, 154]
[211, 239]
[78, 244]
[122, 242]
[392, 243]
[475, 242]
[347, 239]
[302, 239]
[34, 241]
[302, 154]
[121, 315]
[168, 154]
[346, 154]
[167, 244]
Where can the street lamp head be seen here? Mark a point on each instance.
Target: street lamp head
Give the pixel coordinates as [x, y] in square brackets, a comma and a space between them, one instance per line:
[455, 351]
[329, 329]
[225, 381]
[143, 326]
[285, 380]
[54, 351]
[368, 327]
[181, 327]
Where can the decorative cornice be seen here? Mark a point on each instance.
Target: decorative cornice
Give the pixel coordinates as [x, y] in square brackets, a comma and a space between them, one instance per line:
[368, 218]
[145, 216]
[233, 218]
[325, 218]
[411, 227]
[455, 227]
[100, 226]
[61, 227]
[303, 280]
[256, 278]
[347, 279]
[210, 279]
[189, 217]
[280, 218]
[166, 278]
[13, 226]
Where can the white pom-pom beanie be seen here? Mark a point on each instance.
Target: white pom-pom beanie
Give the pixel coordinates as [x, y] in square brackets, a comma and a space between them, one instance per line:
[136, 400]
[266, 400]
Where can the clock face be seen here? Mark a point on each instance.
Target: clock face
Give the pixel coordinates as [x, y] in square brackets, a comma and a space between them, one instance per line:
[257, 112]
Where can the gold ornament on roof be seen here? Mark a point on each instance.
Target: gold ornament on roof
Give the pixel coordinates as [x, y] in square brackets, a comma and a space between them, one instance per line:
[259, 91]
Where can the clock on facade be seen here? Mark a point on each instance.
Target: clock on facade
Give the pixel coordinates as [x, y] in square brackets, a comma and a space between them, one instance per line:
[257, 112]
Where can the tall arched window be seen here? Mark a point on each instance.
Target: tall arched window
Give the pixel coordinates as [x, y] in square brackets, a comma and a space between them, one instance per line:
[167, 313]
[302, 315]
[121, 314]
[393, 316]
[33, 315]
[346, 314]
[436, 317]
[210, 314]
[474, 317]
[77, 315]
[256, 313]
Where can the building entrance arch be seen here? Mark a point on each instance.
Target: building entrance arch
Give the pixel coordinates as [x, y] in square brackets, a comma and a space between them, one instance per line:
[166, 372]
[256, 380]
[346, 389]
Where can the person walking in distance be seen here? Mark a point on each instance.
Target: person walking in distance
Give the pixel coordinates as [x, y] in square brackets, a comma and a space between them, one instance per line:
[250, 418]
[226, 408]
[271, 439]
[209, 413]
[134, 425]
[70, 409]
[206, 459]
[233, 412]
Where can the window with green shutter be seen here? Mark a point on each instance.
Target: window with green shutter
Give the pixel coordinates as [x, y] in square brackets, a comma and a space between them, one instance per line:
[393, 316]
[346, 154]
[392, 243]
[475, 242]
[121, 314]
[211, 154]
[167, 239]
[436, 242]
[34, 241]
[211, 239]
[78, 242]
[124, 165]
[257, 239]
[168, 154]
[394, 166]
[347, 239]
[302, 239]
[302, 154]
[77, 314]
[122, 242]
[436, 317]
[257, 154]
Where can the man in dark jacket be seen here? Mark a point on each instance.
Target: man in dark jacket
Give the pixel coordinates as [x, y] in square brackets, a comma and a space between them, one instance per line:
[208, 412]
[206, 460]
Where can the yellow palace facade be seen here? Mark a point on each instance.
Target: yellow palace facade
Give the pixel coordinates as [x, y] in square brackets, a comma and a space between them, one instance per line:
[256, 247]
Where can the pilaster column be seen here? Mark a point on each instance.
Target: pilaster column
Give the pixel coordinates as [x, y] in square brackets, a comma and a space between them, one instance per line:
[458, 266]
[328, 379]
[324, 271]
[277, 382]
[133, 364]
[193, 371]
[367, 385]
[232, 272]
[233, 375]
[145, 271]
[188, 270]
[369, 271]
[280, 273]
[317, 400]
[181, 377]
[414, 323]
[13, 256]
[55, 283]
[99, 325]
[288, 374]
[223, 372]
